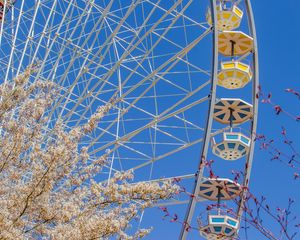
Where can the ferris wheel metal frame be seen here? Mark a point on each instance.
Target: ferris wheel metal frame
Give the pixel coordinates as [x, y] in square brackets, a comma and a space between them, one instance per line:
[177, 57]
[69, 101]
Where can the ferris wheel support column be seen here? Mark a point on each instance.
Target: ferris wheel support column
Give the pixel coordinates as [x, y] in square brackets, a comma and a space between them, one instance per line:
[206, 140]
[248, 166]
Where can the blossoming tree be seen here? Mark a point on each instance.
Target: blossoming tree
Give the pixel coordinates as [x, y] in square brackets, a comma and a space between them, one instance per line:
[48, 184]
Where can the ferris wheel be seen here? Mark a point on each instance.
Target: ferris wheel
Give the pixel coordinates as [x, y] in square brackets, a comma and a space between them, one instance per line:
[183, 77]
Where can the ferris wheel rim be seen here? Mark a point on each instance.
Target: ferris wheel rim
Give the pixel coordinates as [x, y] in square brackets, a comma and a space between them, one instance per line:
[199, 175]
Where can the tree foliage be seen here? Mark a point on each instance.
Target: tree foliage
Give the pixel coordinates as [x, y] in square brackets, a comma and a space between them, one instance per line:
[48, 182]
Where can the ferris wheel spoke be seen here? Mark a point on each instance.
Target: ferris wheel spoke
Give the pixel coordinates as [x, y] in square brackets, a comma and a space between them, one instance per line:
[47, 31]
[56, 34]
[150, 124]
[169, 153]
[127, 52]
[175, 59]
[141, 154]
[13, 45]
[146, 71]
[187, 145]
[44, 31]
[76, 54]
[162, 114]
[149, 162]
[184, 16]
[29, 35]
[153, 32]
[84, 65]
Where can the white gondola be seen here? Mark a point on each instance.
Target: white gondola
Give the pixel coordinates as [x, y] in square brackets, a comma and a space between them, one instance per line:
[220, 227]
[233, 146]
[228, 18]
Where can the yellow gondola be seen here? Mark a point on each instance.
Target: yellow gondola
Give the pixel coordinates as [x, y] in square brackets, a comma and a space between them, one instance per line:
[228, 19]
[234, 75]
